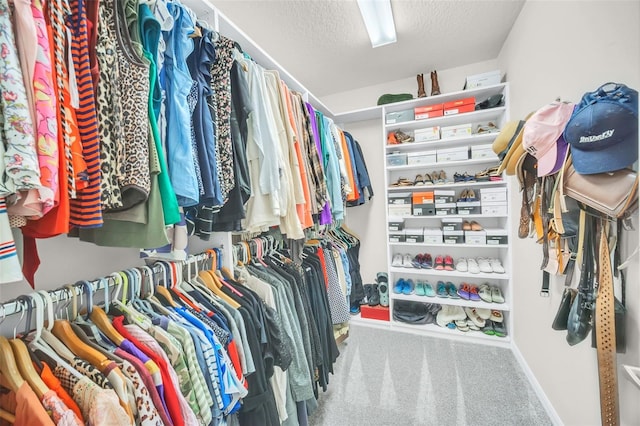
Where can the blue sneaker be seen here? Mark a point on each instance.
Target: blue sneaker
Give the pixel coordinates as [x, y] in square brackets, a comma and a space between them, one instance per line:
[428, 289]
[408, 287]
[441, 289]
[452, 290]
[399, 286]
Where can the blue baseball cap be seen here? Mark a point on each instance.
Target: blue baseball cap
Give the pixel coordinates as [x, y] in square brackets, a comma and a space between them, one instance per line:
[603, 135]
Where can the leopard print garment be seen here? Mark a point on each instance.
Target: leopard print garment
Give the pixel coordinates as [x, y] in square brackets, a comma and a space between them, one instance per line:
[134, 82]
[109, 112]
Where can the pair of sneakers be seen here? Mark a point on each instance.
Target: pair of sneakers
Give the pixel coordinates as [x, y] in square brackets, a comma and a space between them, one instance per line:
[402, 261]
[481, 264]
[403, 286]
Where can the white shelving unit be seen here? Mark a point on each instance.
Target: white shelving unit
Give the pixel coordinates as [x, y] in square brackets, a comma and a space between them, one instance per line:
[499, 116]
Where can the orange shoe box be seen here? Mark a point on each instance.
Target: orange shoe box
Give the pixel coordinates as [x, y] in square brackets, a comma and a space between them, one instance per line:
[429, 111]
[460, 106]
[375, 312]
[422, 198]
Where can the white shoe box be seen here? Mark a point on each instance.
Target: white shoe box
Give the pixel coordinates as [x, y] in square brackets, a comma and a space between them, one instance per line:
[492, 195]
[475, 237]
[482, 151]
[427, 134]
[433, 236]
[459, 153]
[423, 157]
[457, 131]
[495, 208]
[490, 78]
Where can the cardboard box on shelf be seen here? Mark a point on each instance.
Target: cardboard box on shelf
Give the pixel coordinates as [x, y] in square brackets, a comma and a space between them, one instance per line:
[452, 224]
[399, 116]
[459, 153]
[428, 111]
[475, 237]
[399, 159]
[423, 157]
[378, 312]
[427, 134]
[490, 78]
[453, 237]
[483, 151]
[433, 235]
[493, 194]
[457, 131]
[497, 236]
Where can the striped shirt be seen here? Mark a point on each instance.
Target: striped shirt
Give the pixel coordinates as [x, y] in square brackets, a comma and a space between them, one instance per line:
[86, 210]
[9, 264]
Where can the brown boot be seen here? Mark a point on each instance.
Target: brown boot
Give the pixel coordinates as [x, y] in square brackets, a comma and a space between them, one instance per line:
[435, 87]
[421, 92]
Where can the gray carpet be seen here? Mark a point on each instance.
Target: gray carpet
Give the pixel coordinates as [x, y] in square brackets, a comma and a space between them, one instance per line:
[390, 378]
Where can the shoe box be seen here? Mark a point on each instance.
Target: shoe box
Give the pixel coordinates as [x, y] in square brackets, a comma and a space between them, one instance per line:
[399, 116]
[427, 134]
[414, 235]
[396, 159]
[453, 224]
[375, 312]
[453, 237]
[497, 236]
[429, 111]
[400, 210]
[397, 236]
[457, 131]
[396, 224]
[490, 78]
[458, 153]
[493, 195]
[497, 208]
[482, 151]
[422, 157]
[445, 209]
[460, 106]
[442, 196]
[468, 207]
[422, 204]
[433, 235]
[400, 198]
[475, 237]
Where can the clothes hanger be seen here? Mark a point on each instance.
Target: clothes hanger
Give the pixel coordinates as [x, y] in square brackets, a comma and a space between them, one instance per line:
[8, 366]
[213, 283]
[39, 343]
[100, 319]
[163, 291]
[21, 353]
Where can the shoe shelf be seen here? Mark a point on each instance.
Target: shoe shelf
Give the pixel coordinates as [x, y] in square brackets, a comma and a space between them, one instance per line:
[503, 252]
[441, 164]
[479, 93]
[482, 138]
[453, 216]
[445, 185]
[450, 301]
[491, 114]
[436, 329]
[488, 246]
[443, 273]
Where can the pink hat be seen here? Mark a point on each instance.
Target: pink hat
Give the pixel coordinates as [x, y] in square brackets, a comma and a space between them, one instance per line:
[541, 132]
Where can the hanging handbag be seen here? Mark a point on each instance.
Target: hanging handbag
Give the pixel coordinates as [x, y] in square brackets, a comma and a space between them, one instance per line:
[579, 320]
[614, 194]
[562, 316]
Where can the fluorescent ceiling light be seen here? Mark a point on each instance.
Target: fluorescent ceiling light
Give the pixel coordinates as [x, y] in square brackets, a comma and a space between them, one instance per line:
[378, 19]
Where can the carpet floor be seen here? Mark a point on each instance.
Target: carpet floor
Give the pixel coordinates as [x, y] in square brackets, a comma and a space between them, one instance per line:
[385, 378]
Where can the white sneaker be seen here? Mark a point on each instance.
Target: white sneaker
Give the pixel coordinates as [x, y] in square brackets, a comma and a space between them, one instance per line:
[496, 266]
[397, 260]
[472, 266]
[462, 266]
[407, 261]
[484, 265]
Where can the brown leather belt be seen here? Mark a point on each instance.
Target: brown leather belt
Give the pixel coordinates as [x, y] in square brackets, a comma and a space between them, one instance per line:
[606, 337]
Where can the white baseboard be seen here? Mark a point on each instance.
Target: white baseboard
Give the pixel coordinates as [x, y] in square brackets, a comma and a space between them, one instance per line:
[546, 403]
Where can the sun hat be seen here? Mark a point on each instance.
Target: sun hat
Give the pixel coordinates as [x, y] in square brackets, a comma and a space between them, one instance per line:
[542, 131]
[603, 131]
[514, 135]
[515, 151]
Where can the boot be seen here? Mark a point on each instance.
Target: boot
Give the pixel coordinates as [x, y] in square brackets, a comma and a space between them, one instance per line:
[435, 87]
[421, 92]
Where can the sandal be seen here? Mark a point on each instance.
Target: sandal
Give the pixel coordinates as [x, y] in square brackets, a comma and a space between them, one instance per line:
[402, 182]
[484, 292]
[490, 127]
[492, 102]
[391, 139]
[403, 137]
[442, 177]
[427, 179]
[419, 180]
[496, 295]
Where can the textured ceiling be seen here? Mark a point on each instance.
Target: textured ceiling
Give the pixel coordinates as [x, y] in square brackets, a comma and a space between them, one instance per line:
[325, 46]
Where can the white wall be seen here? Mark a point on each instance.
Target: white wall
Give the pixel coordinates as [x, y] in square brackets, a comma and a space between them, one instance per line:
[563, 49]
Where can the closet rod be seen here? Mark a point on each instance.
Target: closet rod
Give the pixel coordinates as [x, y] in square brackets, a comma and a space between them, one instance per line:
[13, 307]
